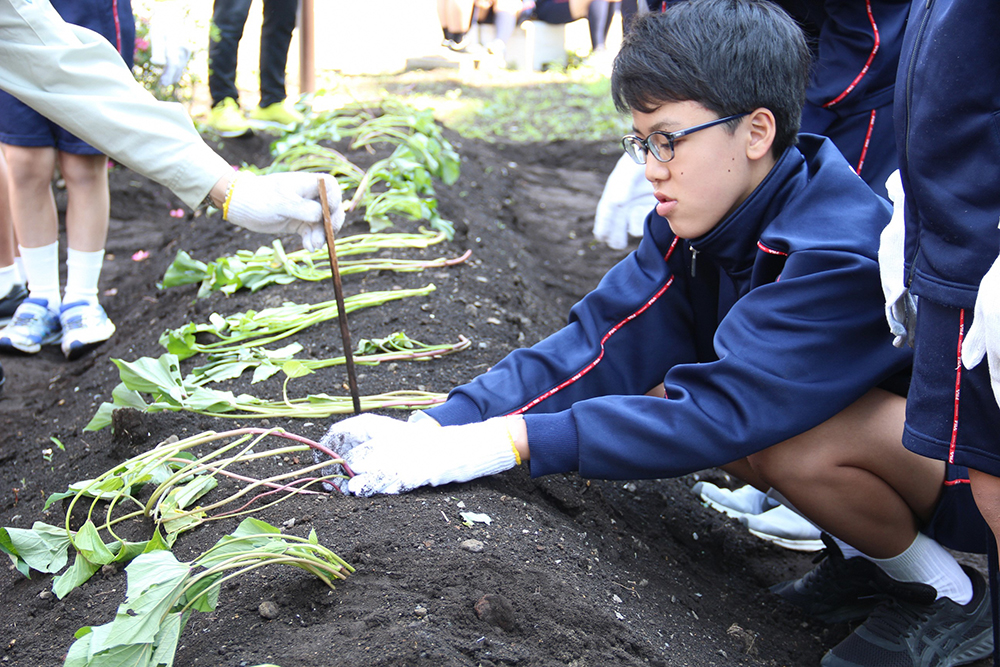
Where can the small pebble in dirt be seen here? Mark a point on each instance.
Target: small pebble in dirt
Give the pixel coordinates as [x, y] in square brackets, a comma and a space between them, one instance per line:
[268, 610]
[289, 524]
[420, 611]
[45, 595]
[475, 546]
[496, 610]
[108, 570]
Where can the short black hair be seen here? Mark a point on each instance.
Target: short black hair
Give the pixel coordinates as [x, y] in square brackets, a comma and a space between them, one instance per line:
[730, 56]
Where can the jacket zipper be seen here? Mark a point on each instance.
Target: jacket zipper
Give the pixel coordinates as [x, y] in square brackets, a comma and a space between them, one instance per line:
[910, 69]
[694, 258]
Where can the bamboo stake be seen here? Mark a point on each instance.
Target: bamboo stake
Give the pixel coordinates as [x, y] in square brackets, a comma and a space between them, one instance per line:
[338, 291]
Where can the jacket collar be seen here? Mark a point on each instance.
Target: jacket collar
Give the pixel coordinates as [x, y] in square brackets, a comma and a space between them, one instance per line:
[732, 244]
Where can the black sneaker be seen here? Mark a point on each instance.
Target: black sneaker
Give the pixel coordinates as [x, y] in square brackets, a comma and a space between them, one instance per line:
[9, 303]
[905, 632]
[838, 589]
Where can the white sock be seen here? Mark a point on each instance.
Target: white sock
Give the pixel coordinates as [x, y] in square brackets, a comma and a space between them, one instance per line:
[8, 278]
[83, 270]
[927, 562]
[41, 266]
[22, 277]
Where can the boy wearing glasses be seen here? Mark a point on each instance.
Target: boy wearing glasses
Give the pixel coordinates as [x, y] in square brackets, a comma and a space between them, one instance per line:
[746, 331]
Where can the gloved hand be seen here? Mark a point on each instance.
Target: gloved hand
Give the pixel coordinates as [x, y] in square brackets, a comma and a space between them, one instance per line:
[176, 58]
[900, 305]
[284, 203]
[394, 458]
[170, 47]
[626, 201]
[345, 435]
[983, 338]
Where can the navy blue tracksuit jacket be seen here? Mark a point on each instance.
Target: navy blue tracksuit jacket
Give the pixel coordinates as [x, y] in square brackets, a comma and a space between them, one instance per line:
[947, 114]
[765, 327]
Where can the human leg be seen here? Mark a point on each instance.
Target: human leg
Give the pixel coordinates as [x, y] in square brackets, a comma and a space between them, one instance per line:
[228, 19]
[505, 13]
[83, 320]
[87, 219]
[33, 211]
[12, 290]
[598, 18]
[456, 17]
[275, 37]
[851, 476]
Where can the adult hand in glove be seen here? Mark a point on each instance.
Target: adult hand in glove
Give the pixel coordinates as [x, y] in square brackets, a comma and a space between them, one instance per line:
[405, 455]
[983, 338]
[282, 204]
[175, 60]
[626, 201]
[900, 305]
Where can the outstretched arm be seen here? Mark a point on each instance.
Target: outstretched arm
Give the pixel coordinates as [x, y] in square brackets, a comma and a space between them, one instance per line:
[76, 78]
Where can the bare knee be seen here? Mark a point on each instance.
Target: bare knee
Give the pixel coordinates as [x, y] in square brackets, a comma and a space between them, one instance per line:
[30, 168]
[789, 464]
[83, 171]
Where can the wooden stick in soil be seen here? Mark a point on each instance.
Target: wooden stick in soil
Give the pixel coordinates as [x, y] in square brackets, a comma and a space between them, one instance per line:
[338, 291]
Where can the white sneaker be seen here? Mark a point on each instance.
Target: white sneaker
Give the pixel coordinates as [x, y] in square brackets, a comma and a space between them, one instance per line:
[744, 500]
[84, 325]
[763, 515]
[784, 527]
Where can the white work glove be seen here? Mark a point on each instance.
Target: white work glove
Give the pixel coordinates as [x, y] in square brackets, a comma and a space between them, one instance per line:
[284, 203]
[394, 458]
[900, 305]
[983, 338]
[169, 46]
[626, 201]
[175, 60]
[345, 435]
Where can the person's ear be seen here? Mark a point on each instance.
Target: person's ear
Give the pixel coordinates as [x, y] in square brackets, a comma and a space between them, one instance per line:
[761, 133]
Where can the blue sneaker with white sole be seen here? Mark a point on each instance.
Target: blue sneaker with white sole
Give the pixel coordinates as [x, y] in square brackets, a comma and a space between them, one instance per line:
[32, 326]
[84, 326]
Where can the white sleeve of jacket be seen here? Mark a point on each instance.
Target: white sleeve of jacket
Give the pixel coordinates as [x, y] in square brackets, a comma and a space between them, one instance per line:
[74, 77]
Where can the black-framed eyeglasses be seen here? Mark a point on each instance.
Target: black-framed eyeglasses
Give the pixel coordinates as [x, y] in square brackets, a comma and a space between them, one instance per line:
[661, 144]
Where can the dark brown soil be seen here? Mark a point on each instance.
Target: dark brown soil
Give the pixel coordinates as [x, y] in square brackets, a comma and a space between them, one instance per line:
[572, 572]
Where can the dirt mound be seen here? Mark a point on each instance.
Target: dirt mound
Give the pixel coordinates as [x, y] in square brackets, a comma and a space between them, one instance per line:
[568, 572]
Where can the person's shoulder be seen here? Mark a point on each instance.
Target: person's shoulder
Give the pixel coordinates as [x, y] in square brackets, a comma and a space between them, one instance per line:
[833, 208]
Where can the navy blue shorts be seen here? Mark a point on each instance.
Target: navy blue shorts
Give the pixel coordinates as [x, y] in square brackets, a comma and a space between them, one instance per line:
[20, 125]
[952, 415]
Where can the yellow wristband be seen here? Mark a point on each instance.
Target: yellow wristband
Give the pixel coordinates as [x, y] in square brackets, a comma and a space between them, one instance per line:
[517, 454]
[229, 196]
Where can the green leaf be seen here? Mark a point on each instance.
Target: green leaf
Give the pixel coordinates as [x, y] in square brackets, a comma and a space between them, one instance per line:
[295, 369]
[264, 371]
[167, 639]
[160, 377]
[184, 271]
[125, 552]
[88, 542]
[190, 492]
[154, 580]
[77, 574]
[203, 595]
[43, 548]
[79, 653]
[100, 419]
